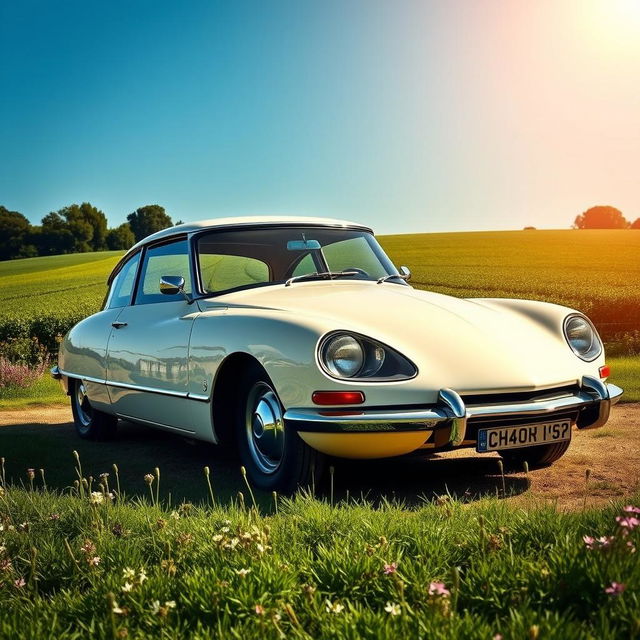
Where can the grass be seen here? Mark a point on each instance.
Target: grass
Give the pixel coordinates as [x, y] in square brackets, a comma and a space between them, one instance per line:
[626, 374]
[78, 566]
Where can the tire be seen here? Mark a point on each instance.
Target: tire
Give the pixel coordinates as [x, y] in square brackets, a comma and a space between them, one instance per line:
[90, 423]
[539, 456]
[281, 462]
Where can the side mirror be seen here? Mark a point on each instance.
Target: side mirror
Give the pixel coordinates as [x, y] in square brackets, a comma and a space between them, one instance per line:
[170, 285]
[405, 273]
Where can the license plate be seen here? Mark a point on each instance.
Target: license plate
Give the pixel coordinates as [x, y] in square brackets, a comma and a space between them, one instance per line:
[524, 436]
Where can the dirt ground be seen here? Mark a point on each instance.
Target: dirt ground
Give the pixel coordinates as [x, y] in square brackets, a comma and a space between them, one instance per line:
[611, 454]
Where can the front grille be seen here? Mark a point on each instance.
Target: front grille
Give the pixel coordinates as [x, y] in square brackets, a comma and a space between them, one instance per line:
[518, 396]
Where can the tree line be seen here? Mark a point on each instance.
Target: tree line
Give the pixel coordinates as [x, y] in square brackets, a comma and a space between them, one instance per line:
[76, 228]
[604, 217]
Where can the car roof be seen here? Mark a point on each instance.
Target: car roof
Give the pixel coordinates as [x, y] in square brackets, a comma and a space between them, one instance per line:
[236, 222]
[243, 221]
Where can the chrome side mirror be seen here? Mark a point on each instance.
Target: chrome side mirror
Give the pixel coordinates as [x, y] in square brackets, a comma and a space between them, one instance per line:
[170, 285]
[405, 273]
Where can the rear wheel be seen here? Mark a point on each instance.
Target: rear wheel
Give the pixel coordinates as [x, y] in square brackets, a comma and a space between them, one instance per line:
[539, 456]
[90, 423]
[274, 457]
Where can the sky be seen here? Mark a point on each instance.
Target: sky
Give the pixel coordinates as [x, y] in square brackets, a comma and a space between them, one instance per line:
[404, 115]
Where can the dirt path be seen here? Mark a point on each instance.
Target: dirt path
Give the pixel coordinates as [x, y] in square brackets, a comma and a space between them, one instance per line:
[612, 455]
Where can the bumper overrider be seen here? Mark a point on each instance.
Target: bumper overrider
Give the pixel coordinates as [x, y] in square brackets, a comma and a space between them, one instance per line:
[454, 421]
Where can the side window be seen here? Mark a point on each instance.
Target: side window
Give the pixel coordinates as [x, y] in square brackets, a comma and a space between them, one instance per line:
[122, 285]
[165, 260]
[220, 272]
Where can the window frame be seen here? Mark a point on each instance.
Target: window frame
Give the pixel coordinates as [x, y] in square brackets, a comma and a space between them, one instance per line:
[115, 274]
[154, 245]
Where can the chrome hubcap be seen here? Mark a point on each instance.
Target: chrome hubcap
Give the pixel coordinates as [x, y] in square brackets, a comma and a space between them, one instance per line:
[265, 428]
[83, 408]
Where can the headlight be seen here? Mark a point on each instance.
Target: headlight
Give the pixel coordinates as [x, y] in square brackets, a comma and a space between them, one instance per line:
[346, 355]
[582, 337]
[343, 356]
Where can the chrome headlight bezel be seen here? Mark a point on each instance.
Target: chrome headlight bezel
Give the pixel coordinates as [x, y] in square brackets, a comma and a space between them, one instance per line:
[379, 363]
[595, 347]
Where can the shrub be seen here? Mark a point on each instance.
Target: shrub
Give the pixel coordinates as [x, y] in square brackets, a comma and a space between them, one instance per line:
[18, 374]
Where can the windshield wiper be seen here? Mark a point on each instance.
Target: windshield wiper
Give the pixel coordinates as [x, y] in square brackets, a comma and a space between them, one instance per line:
[391, 276]
[321, 274]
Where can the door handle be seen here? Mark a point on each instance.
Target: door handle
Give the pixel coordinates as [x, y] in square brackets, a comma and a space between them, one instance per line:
[117, 325]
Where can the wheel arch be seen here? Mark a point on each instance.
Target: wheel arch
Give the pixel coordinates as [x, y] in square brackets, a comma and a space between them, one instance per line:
[224, 392]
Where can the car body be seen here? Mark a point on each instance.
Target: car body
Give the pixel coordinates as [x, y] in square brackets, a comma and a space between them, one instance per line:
[297, 337]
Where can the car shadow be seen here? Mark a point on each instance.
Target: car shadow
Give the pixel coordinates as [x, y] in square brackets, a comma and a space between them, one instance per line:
[139, 450]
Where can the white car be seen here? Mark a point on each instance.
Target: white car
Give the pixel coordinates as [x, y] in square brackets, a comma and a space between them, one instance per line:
[296, 338]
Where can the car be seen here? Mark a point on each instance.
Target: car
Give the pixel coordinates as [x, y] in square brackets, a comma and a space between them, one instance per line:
[293, 339]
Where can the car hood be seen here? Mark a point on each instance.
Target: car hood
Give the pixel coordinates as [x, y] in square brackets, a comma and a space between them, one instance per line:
[468, 345]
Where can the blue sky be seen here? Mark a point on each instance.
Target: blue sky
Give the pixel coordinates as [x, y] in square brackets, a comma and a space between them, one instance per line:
[408, 116]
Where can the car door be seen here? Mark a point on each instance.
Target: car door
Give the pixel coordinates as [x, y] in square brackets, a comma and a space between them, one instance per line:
[147, 367]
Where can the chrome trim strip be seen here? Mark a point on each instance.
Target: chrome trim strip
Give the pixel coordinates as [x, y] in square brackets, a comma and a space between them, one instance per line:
[55, 373]
[201, 397]
[125, 385]
[124, 416]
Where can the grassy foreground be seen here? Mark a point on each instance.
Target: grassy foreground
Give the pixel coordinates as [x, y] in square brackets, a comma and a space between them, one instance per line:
[83, 565]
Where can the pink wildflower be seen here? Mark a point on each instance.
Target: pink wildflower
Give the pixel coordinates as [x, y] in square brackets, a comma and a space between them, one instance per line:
[438, 589]
[95, 561]
[615, 588]
[259, 609]
[19, 583]
[628, 522]
[390, 568]
[589, 541]
[631, 509]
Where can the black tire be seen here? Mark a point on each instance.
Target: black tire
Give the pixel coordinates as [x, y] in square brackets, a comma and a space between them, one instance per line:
[90, 423]
[539, 456]
[282, 461]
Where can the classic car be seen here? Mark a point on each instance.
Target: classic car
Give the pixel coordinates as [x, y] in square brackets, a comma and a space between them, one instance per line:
[294, 339]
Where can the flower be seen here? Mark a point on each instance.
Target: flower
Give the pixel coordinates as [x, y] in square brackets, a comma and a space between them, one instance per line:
[19, 583]
[127, 586]
[333, 607]
[88, 547]
[94, 562]
[615, 588]
[392, 608]
[603, 542]
[388, 569]
[243, 572]
[128, 573]
[104, 475]
[438, 589]
[97, 497]
[116, 609]
[155, 607]
[54, 516]
[31, 474]
[631, 509]
[259, 609]
[629, 522]
[149, 478]
[142, 576]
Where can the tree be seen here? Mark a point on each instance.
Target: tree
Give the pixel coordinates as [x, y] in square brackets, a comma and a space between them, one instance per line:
[79, 218]
[121, 237]
[601, 217]
[147, 220]
[636, 224]
[14, 228]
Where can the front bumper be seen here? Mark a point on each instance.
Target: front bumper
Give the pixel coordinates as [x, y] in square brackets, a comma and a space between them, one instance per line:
[455, 422]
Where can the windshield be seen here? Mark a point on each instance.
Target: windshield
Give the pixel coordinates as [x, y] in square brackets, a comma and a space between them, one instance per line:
[229, 260]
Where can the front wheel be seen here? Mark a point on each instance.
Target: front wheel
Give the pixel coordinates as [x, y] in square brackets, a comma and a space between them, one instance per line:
[538, 456]
[90, 423]
[275, 458]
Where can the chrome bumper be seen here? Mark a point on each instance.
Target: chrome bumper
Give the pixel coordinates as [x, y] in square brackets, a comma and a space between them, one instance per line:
[450, 417]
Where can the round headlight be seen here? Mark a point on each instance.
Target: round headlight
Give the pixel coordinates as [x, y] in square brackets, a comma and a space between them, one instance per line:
[582, 337]
[343, 356]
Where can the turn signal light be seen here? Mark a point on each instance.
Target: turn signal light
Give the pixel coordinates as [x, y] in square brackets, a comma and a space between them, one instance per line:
[337, 397]
[605, 371]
